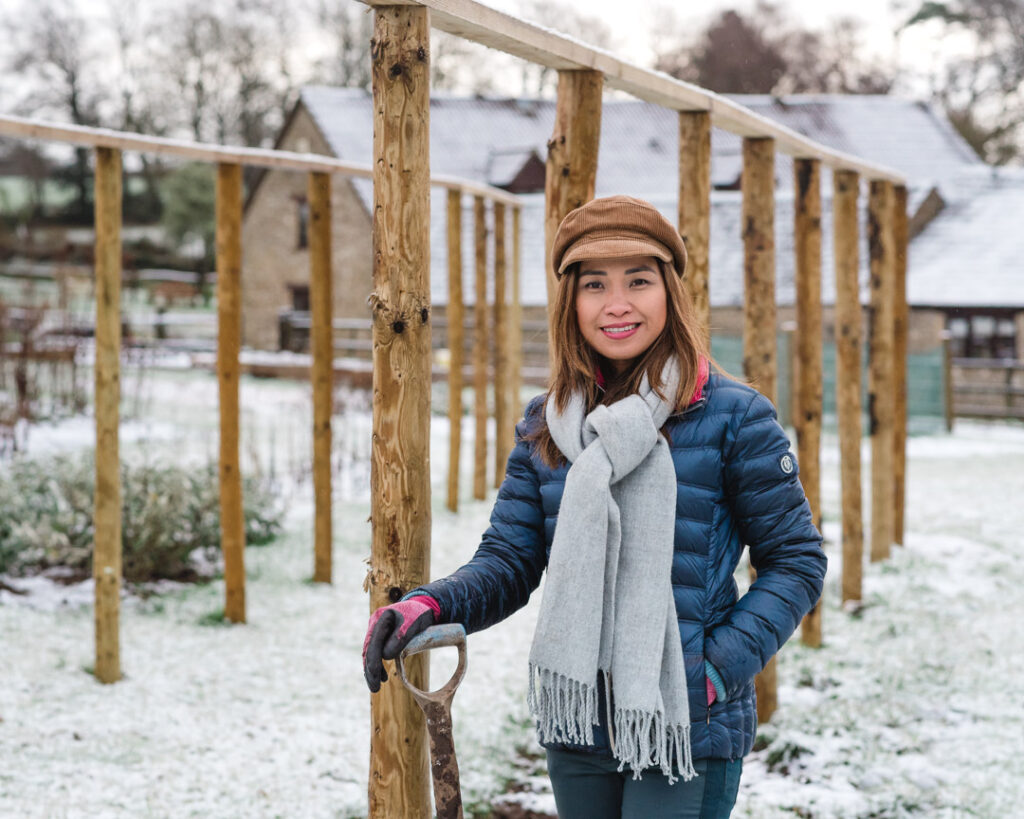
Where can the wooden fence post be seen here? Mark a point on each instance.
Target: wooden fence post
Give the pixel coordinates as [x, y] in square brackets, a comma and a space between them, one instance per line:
[322, 343]
[480, 345]
[517, 316]
[880, 387]
[229, 342]
[456, 317]
[760, 363]
[502, 427]
[849, 318]
[572, 154]
[695, 209]
[759, 343]
[949, 395]
[807, 410]
[399, 783]
[901, 327]
[106, 559]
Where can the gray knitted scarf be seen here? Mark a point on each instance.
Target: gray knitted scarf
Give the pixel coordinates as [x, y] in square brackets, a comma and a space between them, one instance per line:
[608, 606]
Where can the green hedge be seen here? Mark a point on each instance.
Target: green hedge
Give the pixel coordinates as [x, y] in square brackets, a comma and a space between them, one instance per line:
[167, 513]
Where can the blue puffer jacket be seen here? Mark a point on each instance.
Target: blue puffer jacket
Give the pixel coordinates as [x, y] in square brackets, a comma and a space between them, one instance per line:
[737, 482]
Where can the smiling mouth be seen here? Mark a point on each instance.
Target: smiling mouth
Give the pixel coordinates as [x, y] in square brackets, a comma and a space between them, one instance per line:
[620, 330]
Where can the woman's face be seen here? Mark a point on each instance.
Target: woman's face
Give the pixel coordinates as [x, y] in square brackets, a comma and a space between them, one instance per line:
[620, 306]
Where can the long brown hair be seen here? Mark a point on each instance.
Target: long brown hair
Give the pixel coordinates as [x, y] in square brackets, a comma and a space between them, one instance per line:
[576, 363]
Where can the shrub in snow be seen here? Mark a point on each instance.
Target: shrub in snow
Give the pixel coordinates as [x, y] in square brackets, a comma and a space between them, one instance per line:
[168, 513]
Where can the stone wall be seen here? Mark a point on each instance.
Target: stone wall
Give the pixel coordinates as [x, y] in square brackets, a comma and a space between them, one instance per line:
[271, 258]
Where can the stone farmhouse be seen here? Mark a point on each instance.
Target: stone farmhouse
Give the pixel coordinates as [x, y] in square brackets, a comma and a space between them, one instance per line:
[964, 265]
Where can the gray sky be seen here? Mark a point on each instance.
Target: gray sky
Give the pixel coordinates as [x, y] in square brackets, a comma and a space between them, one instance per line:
[633, 22]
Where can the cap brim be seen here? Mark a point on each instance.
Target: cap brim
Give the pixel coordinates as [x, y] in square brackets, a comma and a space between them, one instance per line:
[616, 247]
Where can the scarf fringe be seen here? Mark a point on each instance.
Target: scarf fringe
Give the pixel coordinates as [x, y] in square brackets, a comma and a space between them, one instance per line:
[643, 740]
[565, 709]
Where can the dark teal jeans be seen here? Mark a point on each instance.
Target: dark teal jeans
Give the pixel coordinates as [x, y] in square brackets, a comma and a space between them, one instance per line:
[589, 786]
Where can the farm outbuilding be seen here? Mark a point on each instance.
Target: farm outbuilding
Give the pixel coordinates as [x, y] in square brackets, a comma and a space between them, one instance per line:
[502, 142]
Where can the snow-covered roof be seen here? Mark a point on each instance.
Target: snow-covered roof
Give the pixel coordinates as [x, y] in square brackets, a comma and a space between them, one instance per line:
[482, 138]
[972, 253]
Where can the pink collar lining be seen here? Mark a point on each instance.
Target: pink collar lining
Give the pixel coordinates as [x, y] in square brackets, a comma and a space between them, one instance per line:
[703, 373]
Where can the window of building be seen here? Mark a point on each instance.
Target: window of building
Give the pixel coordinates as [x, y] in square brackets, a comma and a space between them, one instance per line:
[300, 297]
[302, 222]
[982, 333]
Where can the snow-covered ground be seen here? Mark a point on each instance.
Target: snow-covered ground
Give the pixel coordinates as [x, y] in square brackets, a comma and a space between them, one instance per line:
[913, 707]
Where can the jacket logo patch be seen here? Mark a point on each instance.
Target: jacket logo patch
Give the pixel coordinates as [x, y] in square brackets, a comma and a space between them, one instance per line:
[786, 464]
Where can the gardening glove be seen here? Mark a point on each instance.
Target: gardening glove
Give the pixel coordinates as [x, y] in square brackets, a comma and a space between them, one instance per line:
[715, 686]
[390, 630]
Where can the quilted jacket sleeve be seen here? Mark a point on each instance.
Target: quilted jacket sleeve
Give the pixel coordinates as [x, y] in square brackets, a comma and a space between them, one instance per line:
[510, 560]
[774, 520]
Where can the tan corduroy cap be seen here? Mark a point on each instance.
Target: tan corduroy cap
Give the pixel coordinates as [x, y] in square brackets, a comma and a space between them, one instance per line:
[614, 227]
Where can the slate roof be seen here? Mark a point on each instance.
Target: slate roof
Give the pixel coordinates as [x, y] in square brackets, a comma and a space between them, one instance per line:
[474, 137]
[972, 254]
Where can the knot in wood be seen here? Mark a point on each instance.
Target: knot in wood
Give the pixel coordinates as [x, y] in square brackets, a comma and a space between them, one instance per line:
[398, 327]
[396, 70]
[421, 54]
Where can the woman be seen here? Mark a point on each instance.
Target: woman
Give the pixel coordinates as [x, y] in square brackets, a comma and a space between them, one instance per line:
[636, 482]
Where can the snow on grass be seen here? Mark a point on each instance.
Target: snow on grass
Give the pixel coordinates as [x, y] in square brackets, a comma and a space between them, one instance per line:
[912, 708]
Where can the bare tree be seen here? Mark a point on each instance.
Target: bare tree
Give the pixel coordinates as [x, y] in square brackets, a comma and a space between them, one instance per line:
[830, 61]
[540, 80]
[764, 52]
[229, 67]
[350, 29]
[141, 106]
[52, 51]
[982, 93]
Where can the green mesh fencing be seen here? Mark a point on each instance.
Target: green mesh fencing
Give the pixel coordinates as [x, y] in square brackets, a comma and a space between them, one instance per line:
[925, 381]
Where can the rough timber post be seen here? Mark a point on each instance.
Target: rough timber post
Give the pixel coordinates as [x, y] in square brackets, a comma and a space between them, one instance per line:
[880, 382]
[517, 316]
[807, 409]
[759, 356]
[106, 560]
[572, 153]
[229, 342]
[480, 344]
[901, 325]
[400, 466]
[846, 189]
[695, 208]
[322, 342]
[502, 411]
[456, 317]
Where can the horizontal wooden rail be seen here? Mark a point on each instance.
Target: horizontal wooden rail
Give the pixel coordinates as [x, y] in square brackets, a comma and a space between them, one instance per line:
[987, 389]
[970, 411]
[995, 364]
[203, 152]
[482, 24]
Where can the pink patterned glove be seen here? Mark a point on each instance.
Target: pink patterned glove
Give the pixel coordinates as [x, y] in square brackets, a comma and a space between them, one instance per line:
[712, 694]
[390, 630]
